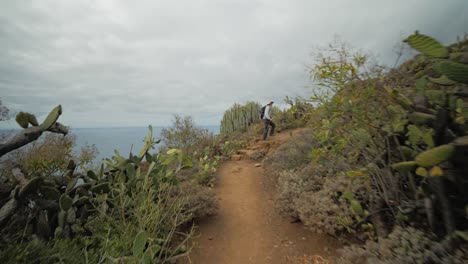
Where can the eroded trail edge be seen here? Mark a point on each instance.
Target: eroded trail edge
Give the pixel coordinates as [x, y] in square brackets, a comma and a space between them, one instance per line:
[248, 228]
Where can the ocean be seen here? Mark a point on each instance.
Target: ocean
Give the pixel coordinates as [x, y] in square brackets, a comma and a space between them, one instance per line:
[121, 139]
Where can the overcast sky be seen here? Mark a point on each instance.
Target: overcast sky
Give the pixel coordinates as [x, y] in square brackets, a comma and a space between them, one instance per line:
[134, 63]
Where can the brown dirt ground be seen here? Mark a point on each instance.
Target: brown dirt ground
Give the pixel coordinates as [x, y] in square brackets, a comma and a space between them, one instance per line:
[248, 227]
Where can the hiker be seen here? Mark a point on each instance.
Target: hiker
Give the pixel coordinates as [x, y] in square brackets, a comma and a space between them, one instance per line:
[268, 122]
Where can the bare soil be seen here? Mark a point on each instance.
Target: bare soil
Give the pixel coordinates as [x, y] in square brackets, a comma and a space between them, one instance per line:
[249, 228]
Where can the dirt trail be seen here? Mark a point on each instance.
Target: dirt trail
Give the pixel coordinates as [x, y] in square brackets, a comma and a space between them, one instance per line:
[248, 227]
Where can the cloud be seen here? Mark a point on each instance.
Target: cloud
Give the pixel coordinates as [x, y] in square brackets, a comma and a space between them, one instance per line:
[126, 63]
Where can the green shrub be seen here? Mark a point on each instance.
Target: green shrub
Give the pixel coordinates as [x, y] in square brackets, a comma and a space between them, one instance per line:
[118, 214]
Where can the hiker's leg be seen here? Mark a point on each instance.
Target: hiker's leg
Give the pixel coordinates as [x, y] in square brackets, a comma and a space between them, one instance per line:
[273, 126]
[265, 130]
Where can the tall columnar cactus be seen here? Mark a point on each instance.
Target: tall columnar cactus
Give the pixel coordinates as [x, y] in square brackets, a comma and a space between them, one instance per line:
[239, 117]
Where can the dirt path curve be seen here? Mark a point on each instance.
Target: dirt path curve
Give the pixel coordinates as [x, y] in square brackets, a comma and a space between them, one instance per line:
[248, 227]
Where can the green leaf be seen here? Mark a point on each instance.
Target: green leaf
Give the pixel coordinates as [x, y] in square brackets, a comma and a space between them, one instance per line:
[130, 170]
[348, 195]
[187, 162]
[139, 243]
[101, 188]
[148, 157]
[357, 208]
[172, 151]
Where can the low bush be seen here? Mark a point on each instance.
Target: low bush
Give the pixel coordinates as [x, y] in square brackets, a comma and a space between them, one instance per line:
[405, 246]
[199, 201]
[291, 155]
[118, 213]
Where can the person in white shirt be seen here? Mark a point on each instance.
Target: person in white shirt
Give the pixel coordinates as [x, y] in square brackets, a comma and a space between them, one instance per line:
[268, 122]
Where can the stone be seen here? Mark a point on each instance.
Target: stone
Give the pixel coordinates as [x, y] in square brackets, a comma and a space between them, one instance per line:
[258, 165]
[236, 157]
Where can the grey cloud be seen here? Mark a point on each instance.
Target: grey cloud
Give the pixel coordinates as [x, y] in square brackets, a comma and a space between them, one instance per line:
[122, 63]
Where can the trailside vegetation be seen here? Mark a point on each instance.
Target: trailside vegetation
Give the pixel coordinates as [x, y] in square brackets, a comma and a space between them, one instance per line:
[384, 158]
[132, 209]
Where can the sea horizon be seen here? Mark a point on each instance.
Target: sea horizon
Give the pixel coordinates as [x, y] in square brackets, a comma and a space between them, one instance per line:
[109, 139]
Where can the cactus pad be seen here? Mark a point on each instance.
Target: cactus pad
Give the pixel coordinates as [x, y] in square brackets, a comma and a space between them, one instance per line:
[405, 166]
[454, 71]
[65, 202]
[22, 119]
[32, 119]
[51, 118]
[442, 80]
[436, 96]
[427, 46]
[435, 156]
[419, 118]
[100, 188]
[50, 193]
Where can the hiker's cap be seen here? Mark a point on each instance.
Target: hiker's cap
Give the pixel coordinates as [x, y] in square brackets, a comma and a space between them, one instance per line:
[270, 102]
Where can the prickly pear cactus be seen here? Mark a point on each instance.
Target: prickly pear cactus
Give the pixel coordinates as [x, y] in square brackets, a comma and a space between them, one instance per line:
[65, 202]
[433, 157]
[32, 119]
[405, 166]
[22, 119]
[453, 70]
[442, 80]
[421, 118]
[51, 118]
[427, 46]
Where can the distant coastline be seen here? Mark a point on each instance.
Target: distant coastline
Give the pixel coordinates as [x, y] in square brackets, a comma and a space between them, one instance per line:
[108, 139]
